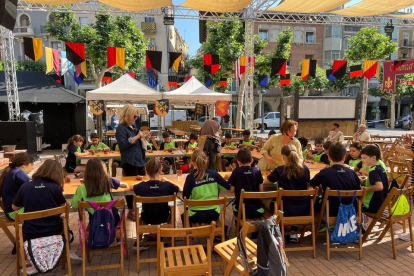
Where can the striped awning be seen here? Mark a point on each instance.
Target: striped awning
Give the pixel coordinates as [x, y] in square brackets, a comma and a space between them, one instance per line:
[375, 7]
[306, 6]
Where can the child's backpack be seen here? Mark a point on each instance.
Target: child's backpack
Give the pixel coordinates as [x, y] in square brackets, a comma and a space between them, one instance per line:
[44, 253]
[102, 226]
[346, 229]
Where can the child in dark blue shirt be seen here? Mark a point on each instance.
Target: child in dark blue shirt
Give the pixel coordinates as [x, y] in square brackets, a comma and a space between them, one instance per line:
[75, 150]
[249, 179]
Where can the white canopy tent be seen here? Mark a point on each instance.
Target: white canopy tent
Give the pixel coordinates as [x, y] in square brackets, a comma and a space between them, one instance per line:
[194, 91]
[124, 89]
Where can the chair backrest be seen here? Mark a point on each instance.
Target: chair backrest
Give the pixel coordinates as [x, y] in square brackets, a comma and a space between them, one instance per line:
[157, 199]
[392, 198]
[289, 193]
[255, 195]
[154, 143]
[250, 227]
[211, 202]
[84, 204]
[398, 166]
[359, 195]
[194, 232]
[1, 204]
[402, 179]
[19, 218]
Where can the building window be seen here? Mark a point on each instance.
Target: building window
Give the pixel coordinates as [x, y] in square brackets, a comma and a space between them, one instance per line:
[152, 42]
[335, 54]
[263, 35]
[289, 61]
[24, 22]
[149, 19]
[83, 21]
[333, 31]
[406, 38]
[308, 56]
[331, 55]
[353, 29]
[298, 37]
[404, 55]
[56, 45]
[310, 37]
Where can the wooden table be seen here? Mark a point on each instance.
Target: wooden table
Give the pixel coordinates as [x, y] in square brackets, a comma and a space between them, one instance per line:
[230, 152]
[386, 136]
[3, 167]
[11, 154]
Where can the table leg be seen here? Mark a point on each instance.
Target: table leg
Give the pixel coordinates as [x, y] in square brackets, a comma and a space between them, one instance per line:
[110, 161]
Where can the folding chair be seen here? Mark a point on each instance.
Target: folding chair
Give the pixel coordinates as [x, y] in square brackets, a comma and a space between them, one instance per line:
[142, 227]
[399, 167]
[120, 233]
[241, 214]
[5, 223]
[387, 219]
[300, 220]
[187, 259]
[402, 179]
[229, 250]
[20, 218]
[359, 196]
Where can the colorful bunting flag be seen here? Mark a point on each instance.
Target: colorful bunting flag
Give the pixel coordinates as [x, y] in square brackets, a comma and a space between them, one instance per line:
[75, 52]
[152, 82]
[153, 60]
[222, 108]
[355, 71]
[80, 73]
[371, 68]
[308, 69]
[278, 67]
[175, 59]
[52, 60]
[244, 62]
[339, 68]
[187, 78]
[237, 69]
[64, 63]
[33, 48]
[162, 107]
[56, 77]
[172, 81]
[223, 82]
[329, 74]
[263, 80]
[115, 56]
[107, 78]
[211, 63]
[285, 80]
[208, 81]
[397, 64]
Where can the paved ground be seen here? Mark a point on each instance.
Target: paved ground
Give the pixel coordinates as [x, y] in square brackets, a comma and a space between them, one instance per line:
[377, 257]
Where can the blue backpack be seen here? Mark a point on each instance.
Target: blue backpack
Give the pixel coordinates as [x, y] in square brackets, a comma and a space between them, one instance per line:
[346, 229]
[102, 226]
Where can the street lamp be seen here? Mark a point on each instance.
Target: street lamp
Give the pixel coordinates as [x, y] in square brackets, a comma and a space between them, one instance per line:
[263, 92]
[389, 29]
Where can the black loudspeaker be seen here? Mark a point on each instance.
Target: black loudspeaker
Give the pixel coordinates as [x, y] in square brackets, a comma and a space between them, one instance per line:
[21, 134]
[8, 13]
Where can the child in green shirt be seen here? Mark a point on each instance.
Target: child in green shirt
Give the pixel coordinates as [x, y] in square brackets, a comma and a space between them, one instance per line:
[96, 144]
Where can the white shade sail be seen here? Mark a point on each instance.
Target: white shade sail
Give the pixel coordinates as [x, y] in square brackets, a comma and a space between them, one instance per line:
[124, 89]
[194, 91]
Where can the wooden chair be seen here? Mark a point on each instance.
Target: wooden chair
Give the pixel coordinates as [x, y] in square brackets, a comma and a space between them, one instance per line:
[387, 219]
[5, 223]
[142, 227]
[398, 167]
[241, 214]
[402, 179]
[187, 259]
[229, 250]
[349, 142]
[154, 143]
[120, 233]
[20, 218]
[300, 220]
[331, 221]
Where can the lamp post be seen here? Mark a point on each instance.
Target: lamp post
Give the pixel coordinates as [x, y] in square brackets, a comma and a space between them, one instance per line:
[389, 29]
[263, 92]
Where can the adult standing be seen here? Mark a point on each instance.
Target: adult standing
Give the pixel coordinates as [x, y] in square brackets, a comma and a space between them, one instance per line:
[335, 135]
[129, 137]
[226, 120]
[361, 135]
[272, 148]
[114, 121]
[409, 151]
[209, 141]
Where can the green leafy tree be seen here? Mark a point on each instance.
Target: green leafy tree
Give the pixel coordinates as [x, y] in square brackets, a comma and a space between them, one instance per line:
[304, 87]
[120, 31]
[369, 44]
[31, 65]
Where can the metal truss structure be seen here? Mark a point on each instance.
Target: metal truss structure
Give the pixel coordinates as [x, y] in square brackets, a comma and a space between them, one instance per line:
[7, 54]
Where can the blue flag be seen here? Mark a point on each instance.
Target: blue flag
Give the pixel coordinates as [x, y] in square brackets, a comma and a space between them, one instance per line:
[263, 80]
[208, 81]
[151, 82]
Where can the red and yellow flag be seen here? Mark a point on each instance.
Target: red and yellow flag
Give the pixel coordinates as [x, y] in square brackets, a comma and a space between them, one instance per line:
[371, 68]
[116, 56]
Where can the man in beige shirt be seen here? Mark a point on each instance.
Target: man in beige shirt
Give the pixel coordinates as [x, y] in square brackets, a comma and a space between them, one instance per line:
[361, 135]
[335, 135]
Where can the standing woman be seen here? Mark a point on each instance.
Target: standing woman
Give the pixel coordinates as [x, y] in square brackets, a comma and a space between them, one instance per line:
[272, 157]
[129, 142]
[409, 151]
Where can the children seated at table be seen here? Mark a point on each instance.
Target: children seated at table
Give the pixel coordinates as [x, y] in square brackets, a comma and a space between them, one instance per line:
[293, 175]
[75, 150]
[319, 154]
[192, 142]
[304, 143]
[156, 213]
[377, 181]
[12, 178]
[354, 156]
[96, 145]
[251, 180]
[227, 160]
[246, 141]
[97, 186]
[168, 143]
[336, 177]
[203, 184]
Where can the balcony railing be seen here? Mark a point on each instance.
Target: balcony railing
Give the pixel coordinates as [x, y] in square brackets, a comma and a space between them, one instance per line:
[152, 47]
[148, 27]
[23, 31]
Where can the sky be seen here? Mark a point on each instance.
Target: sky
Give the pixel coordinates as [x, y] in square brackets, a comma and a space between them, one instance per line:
[188, 28]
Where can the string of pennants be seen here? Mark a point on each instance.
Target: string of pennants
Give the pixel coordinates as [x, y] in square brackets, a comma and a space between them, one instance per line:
[406, 82]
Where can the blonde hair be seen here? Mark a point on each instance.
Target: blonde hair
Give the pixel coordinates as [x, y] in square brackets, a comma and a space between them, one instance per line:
[293, 167]
[199, 158]
[127, 112]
